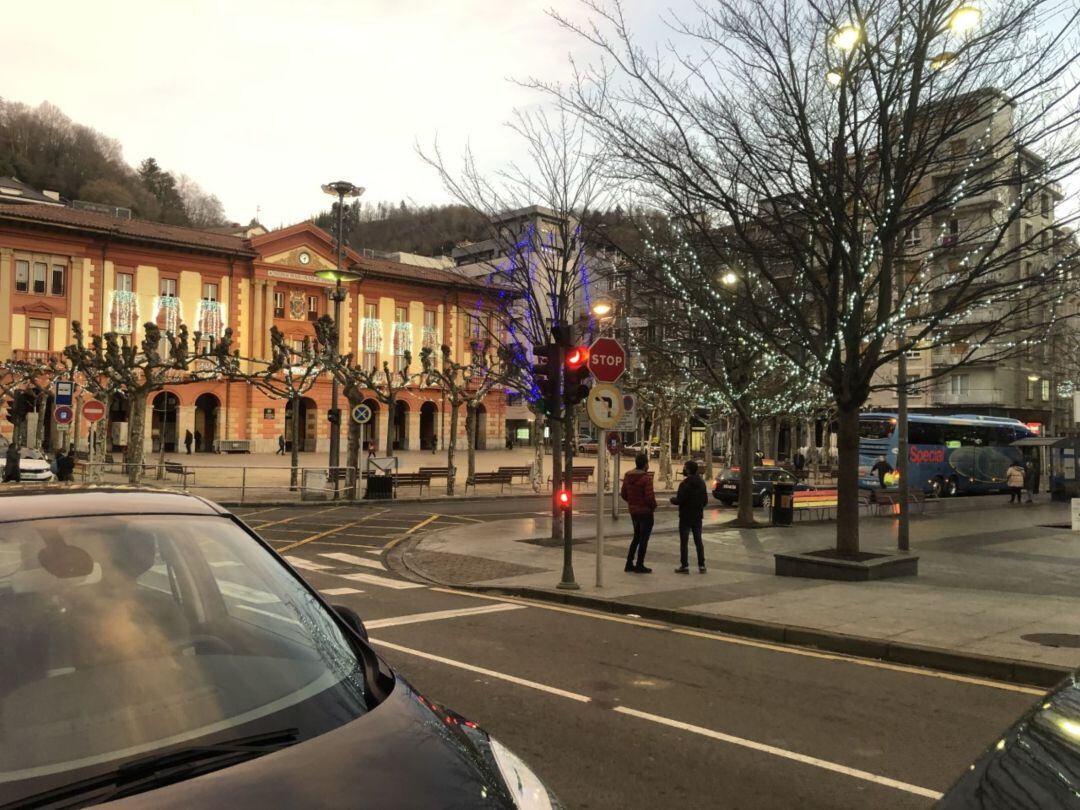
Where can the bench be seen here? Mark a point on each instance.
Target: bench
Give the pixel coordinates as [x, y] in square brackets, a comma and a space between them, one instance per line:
[524, 473]
[818, 500]
[233, 445]
[179, 470]
[436, 472]
[500, 478]
[579, 475]
[416, 479]
[888, 503]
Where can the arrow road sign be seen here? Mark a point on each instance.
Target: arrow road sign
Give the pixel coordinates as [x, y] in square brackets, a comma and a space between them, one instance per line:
[361, 414]
[604, 405]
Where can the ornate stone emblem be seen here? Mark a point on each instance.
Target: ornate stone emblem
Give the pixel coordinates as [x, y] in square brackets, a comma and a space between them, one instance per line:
[296, 306]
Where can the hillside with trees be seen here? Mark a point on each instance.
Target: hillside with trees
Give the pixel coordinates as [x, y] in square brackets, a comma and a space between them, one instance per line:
[44, 148]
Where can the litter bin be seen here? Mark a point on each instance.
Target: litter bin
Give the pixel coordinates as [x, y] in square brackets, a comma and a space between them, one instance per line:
[783, 504]
[379, 488]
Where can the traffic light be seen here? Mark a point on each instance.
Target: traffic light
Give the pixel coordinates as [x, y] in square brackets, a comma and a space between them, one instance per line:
[333, 416]
[563, 499]
[575, 373]
[546, 377]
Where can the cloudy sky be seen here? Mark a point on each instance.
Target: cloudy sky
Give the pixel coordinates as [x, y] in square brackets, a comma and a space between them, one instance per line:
[261, 101]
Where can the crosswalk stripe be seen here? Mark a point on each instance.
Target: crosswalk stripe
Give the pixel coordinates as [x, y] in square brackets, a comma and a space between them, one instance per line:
[386, 582]
[416, 618]
[307, 565]
[340, 591]
[352, 559]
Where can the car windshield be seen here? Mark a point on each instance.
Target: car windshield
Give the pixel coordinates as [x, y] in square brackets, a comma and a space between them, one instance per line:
[28, 452]
[876, 428]
[124, 636]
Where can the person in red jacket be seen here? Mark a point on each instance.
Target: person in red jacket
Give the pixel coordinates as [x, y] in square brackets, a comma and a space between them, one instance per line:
[637, 491]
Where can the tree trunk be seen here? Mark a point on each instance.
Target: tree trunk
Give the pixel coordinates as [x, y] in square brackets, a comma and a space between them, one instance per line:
[556, 478]
[538, 454]
[665, 451]
[451, 446]
[470, 437]
[746, 471]
[133, 457]
[710, 473]
[43, 416]
[294, 472]
[847, 483]
[391, 424]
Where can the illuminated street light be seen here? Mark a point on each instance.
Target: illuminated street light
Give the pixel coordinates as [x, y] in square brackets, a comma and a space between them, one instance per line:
[1034, 378]
[847, 36]
[834, 77]
[965, 19]
[602, 308]
[728, 279]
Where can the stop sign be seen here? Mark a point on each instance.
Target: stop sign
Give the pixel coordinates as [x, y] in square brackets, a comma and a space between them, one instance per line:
[93, 410]
[607, 359]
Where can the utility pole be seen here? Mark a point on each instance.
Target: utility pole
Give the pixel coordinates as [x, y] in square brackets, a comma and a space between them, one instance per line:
[902, 538]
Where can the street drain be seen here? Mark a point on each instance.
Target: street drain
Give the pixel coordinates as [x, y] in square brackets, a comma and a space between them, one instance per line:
[1053, 639]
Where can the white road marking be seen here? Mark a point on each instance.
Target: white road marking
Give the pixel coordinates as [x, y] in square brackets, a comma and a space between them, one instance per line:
[416, 618]
[307, 565]
[490, 673]
[781, 752]
[340, 591]
[386, 582]
[352, 559]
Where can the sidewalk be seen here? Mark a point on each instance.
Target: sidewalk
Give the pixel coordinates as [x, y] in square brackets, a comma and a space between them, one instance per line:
[996, 582]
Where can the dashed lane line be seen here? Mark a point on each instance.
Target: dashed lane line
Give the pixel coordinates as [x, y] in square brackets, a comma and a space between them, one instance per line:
[763, 645]
[299, 543]
[731, 739]
[772, 750]
[437, 615]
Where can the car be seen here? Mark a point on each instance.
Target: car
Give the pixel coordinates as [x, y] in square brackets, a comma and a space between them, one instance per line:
[642, 447]
[157, 651]
[726, 489]
[586, 444]
[1034, 763]
[34, 466]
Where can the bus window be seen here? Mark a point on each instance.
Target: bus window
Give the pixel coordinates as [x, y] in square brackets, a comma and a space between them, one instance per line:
[876, 428]
[924, 433]
[1003, 437]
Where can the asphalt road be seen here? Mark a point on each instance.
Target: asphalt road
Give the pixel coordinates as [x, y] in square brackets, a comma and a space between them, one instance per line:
[616, 712]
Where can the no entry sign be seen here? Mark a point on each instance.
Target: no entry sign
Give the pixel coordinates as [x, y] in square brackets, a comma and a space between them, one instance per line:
[607, 360]
[93, 410]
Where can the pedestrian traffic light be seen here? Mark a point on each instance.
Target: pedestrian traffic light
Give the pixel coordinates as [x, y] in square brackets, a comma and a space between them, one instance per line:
[563, 499]
[575, 373]
[546, 378]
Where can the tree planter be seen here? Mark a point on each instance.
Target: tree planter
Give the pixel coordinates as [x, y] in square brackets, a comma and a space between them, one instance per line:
[861, 567]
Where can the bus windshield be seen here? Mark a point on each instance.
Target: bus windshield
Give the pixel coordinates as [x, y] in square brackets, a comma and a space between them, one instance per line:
[876, 428]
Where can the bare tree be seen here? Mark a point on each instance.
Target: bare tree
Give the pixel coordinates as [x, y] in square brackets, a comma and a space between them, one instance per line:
[26, 382]
[880, 175]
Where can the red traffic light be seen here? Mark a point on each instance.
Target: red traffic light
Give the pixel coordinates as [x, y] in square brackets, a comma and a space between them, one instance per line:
[562, 498]
[577, 357]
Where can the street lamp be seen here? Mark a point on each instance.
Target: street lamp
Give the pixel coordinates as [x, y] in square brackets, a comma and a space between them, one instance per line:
[728, 279]
[602, 308]
[965, 19]
[847, 36]
[340, 189]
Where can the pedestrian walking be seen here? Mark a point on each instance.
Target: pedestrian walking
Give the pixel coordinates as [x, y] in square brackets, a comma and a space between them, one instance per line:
[637, 491]
[280, 445]
[187, 441]
[65, 466]
[11, 464]
[692, 497]
[1014, 480]
[198, 442]
[1031, 479]
[882, 468]
[799, 461]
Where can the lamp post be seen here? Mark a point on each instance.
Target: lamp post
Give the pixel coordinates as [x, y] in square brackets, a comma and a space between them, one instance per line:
[846, 39]
[340, 189]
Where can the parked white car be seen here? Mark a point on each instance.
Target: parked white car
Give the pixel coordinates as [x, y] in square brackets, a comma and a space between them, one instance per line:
[33, 466]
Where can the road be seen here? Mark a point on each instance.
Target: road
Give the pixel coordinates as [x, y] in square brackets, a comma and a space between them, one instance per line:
[618, 712]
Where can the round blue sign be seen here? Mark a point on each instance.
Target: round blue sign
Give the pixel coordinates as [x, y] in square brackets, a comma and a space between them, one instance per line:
[361, 414]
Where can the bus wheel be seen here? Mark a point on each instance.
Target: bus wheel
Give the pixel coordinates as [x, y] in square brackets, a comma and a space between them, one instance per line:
[937, 486]
[950, 487]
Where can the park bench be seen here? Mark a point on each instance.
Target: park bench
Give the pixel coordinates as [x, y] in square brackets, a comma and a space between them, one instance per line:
[436, 472]
[524, 473]
[179, 470]
[888, 502]
[416, 479]
[500, 478]
[579, 475]
[815, 501]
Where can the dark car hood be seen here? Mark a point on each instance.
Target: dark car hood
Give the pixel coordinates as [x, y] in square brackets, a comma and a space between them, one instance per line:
[1036, 763]
[401, 754]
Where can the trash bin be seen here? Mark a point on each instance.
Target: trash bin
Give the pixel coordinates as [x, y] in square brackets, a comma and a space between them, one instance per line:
[379, 488]
[783, 504]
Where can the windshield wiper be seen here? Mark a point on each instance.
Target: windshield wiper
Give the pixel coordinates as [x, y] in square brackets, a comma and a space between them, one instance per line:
[159, 770]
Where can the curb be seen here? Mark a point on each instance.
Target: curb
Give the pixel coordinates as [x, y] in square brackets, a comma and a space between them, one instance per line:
[1009, 670]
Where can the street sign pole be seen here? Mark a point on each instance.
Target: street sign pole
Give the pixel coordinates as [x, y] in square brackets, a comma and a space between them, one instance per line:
[614, 487]
[601, 478]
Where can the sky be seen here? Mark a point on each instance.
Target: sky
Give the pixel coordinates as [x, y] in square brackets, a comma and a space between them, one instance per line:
[262, 102]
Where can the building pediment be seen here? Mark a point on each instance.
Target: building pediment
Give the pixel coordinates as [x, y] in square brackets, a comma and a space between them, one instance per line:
[39, 308]
[303, 257]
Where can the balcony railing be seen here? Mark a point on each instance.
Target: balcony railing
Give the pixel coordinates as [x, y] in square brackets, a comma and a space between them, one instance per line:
[35, 355]
[973, 396]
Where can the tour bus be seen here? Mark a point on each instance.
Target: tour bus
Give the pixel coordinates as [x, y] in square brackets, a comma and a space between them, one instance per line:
[947, 455]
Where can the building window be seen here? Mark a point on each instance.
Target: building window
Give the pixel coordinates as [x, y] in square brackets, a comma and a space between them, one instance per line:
[279, 305]
[1029, 233]
[958, 384]
[313, 307]
[402, 337]
[209, 292]
[371, 336]
[57, 285]
[1045, 390]
[958, 146]
[39, 335]
[40, 271]
[124, 282]
[1044, 204]
[22, 275]
[1031, 388]
[954, 227]
[168, 288]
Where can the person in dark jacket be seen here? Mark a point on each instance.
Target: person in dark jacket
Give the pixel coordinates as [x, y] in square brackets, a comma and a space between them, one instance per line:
[198, 442]
[637, 491]
[280, 445]
[692, 497]
[188, 439]
[11, 464]
[882, 468]
[65, 466]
